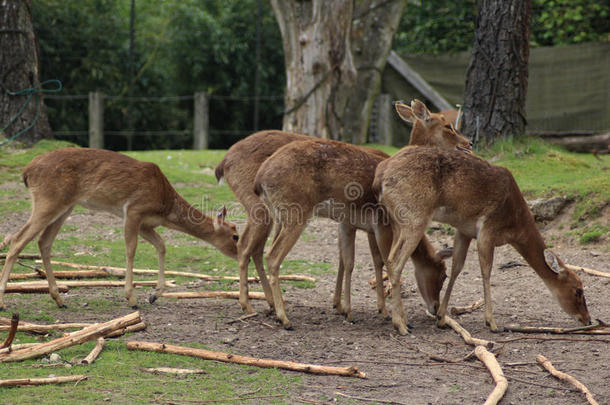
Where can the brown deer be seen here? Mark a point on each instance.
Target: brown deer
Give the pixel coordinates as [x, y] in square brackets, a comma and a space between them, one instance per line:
[238, 169]
[333, 180]
[108, 181]
[481, 201]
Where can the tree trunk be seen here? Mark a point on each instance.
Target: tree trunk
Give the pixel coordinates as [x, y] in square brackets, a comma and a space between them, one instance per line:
[19, 70]
[319, 66]
[334, 55]
[496, 80]
[373, 28]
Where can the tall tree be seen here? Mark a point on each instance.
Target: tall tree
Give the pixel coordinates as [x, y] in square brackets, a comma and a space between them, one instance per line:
[19, 70]
[496, 79]
[334, 52]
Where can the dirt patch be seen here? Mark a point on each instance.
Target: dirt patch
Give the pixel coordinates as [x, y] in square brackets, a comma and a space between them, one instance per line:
[398, 367]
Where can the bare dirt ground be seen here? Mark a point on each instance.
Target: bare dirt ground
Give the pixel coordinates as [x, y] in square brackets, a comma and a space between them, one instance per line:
[399, 369]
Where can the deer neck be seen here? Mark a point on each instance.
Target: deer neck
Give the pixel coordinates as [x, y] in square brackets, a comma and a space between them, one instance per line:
[185, 218]
[531, 246]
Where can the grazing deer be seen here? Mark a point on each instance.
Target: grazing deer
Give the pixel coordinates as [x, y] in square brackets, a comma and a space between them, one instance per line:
[108, 181]
[481, 201]
[238, 169]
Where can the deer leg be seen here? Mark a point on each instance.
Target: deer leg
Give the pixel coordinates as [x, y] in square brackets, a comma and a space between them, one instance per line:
[155, 239]
[45, 242]
[401, 250]
[347, 240]
[285, 240]
[132, 229]
[486, 257]
[460, 249]
[339, 284]
[378, 264]
[251, 244]
[35, 224]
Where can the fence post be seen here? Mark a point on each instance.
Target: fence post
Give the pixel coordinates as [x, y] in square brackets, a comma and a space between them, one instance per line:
[384, 119]
[201, 121]
[96, 120]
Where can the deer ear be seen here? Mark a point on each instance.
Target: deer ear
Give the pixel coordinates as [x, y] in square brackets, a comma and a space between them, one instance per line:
[553, 261]
[220, 217]
[405, 112]
[420, 110]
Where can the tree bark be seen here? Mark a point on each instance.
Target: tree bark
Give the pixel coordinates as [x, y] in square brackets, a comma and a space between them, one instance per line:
[334, 53]
[19, 70]
[319, 65]
[374, 24]
[496, 79]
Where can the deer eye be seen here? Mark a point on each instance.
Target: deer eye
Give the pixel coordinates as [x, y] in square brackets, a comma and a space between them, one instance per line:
[235, 238]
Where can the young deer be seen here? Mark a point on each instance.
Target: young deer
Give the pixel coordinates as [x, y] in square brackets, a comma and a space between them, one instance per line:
[481, 201]
[108, 181]
[239, 167]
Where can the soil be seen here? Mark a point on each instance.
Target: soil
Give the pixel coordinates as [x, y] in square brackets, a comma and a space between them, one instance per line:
[399, 368]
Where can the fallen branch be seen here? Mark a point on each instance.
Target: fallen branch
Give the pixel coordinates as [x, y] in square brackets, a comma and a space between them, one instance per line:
[43, 329]
[74, 273]
[17, 347]
[453, 324]
[42, 381]
[22, 256]
[95, 352]
[253, 295]
[588, 271]
[251, 361]
[170, 370]
[12, 332]
[120, 272]
[23, 276]
[242, 318]
[33, 288]
[456, 311]
[496, 372]
[544, 362]
[66, 285]
[84, 335]
[592, 329]
[129, 329]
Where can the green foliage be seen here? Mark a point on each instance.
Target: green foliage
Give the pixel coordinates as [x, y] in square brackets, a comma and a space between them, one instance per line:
[563, 22]
[181, 47]
[439, 26]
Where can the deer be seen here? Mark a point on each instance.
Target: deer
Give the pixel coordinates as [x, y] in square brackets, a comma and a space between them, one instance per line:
[333, 180]
[103, 180]
[238, 169]
[482, 202]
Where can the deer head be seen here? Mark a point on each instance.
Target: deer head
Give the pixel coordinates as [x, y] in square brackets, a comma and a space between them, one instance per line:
[225, 235]
[571, 295]
[430, 129]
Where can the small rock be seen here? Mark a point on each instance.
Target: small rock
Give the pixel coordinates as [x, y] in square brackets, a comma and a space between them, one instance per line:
[55, 358]
[545, 209]
[230, 340]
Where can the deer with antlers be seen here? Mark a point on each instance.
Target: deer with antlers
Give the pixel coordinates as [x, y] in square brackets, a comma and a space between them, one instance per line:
[333, 180]
[108, 181]
[482, 202]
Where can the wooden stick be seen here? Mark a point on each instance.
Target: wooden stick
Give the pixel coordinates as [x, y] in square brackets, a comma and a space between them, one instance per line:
[132, 328]
[170, 370]
[33, 288]
[588, 271]
[12, 332]
[42, 381]
[253, 295]
[84, 335]
[496, 372]
[75, 273]
[23, 276]
[43, 329]
[120, 272]
[252, 361]
[455, 311]
[17, 347]
[544, 362]
[21, 256]
[453, 324]
[28, 286]
[95, 352]
[557, 331]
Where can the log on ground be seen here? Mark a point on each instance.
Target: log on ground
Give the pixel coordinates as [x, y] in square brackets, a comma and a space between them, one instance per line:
[496, 372]
[255, 295]
[251, 361]
[42, 381]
